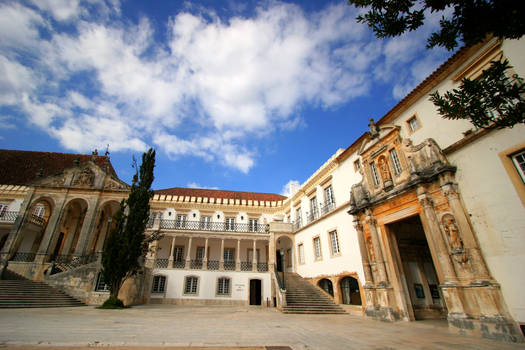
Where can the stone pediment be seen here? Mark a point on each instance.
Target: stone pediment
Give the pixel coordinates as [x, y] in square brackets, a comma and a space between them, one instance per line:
[86, 175]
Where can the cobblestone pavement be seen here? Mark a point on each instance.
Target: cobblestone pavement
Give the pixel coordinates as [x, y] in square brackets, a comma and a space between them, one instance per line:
[182, 326]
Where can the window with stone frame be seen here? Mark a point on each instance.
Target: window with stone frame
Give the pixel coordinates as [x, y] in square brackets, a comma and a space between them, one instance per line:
[181, 221]
[395, 161]
[191, 284]
[314, 212]
[205, 222]
[413, 124]
[159, 284]
[229, 255]
[253, 225]
[230, 224]
[334, 243]
[39, 210]
[300, 249]
[178, 254]
[223, 286]
[375, 174]
[101, 286]
[518, 159]
[317, 248]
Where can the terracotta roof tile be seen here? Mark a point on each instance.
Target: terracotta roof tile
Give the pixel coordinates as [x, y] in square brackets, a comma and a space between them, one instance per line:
[22, 167]
[198, 192]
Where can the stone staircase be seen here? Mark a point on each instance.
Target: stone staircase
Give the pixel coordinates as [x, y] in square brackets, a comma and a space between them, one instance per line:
[18, 292]
[304, 298]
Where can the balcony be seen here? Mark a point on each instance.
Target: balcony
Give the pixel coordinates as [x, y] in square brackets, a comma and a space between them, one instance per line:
[8, 217]
[211, 226]
[210, 265]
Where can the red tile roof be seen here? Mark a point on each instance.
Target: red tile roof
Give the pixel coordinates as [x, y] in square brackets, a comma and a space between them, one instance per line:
[198, 192]
[22, 167]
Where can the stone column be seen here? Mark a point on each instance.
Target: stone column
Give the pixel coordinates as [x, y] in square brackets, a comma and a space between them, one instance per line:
[50, 232]
[205, 257]
[188, 254]
[87, 228]
[238, 258]
[369, 279]
[172, 249]
[469, 241]
[71, 235]
[221, 258]
[271, 252]
[380, 263]
[254, 257]
[445, 267]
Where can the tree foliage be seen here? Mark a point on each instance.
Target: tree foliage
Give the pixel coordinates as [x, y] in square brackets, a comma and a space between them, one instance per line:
[469, 21]
[495, 100]
[127, 241]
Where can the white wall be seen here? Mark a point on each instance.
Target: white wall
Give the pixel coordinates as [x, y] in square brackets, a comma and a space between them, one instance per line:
[240, 284]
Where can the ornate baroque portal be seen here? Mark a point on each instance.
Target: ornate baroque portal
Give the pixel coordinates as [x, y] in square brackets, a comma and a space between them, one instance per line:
[420, 256]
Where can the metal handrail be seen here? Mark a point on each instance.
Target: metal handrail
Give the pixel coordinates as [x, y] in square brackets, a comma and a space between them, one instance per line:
[279, 281]
[211, 226]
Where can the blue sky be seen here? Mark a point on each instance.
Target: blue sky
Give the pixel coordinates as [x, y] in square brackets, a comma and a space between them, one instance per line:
[238, 95]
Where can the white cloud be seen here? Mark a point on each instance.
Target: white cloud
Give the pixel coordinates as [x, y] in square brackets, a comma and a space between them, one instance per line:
[196, 185]
[213, 90]
[290, 188]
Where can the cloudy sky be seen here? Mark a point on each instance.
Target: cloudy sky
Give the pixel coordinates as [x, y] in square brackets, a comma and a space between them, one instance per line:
[232, 94]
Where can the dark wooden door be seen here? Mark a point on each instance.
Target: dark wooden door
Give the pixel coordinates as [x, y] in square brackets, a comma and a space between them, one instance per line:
[255, 292]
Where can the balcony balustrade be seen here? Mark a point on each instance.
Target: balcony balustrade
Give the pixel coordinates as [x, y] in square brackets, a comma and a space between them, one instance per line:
[35, 219]
[161, 263]
[327, 207]
[8, 216]
[211, 226]
[229, 265]
[315, 214]
[298, 223]
[211, 265]
[23, 257]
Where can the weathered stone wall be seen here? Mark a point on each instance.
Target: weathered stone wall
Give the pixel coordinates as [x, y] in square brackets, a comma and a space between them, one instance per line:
[78, 283]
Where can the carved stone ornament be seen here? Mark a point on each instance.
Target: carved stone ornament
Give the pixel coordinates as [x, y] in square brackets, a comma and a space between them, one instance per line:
[371, 253]
[374, 130]
[111, 184]
[85, 178]
[452, 231]
[426, 155]
[57, 181]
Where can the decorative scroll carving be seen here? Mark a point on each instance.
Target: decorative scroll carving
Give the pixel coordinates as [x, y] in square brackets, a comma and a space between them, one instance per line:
[85, 178]
[424, 156]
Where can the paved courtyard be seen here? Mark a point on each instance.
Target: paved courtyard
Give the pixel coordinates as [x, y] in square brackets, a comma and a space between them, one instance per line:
[183, 326]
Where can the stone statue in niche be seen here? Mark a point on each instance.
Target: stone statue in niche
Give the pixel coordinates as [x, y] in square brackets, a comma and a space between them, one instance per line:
[85, 178]
[383, 169]
[452, 231]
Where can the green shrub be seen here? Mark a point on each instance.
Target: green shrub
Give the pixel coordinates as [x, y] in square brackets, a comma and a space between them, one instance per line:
[112, 303]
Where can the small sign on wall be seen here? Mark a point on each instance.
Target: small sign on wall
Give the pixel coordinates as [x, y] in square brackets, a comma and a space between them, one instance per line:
[239, 287]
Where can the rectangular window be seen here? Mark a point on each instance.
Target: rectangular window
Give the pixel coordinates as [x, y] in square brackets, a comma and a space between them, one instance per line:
[413, 124]
[375, 174]
[101, 286]
[395, 161]
[178, 254]
[199, 254]
[329, 195]
[205, 222]
[223, 286]
[190, 285]
[3, 209]
[39, 210]
[250, 255]
[301, 253]
[253, 225]
[159, 283]
[229, 255]
[181, 221]
[317, 248]
[357, 165]
[313, 208]
[519, 162]
[230, 224]
[334, 243]
[298, 215]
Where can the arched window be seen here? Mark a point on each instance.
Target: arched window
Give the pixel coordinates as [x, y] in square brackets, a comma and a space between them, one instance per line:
[327, 286]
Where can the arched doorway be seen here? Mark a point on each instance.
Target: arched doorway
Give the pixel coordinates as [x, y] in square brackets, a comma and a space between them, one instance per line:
[32, 231]
[70, 228]
[105, 224]
[326, 285]
[284, 254]
[350, 291]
